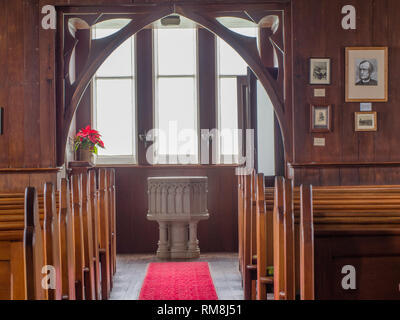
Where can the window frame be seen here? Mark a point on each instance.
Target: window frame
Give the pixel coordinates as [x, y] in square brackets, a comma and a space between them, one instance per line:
[119, 159]
[170, 159]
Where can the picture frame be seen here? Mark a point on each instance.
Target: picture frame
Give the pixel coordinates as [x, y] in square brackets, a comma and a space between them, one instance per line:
[320, 118]
[366, 74]
[365, 121]
[320, 71]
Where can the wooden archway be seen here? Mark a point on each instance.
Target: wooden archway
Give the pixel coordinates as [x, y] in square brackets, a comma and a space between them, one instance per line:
[271, 77]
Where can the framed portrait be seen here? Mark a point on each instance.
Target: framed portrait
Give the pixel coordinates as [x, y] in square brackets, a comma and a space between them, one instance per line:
[320, 71]
[365, 121]
[321, 118]
[366, 74]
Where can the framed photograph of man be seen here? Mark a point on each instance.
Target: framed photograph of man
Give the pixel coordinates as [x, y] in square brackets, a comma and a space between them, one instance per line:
[321, 118]
[366, 74]
[365, 121]
[320, 71]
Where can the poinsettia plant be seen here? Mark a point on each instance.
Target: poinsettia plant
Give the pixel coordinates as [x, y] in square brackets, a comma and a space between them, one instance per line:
[88, 139]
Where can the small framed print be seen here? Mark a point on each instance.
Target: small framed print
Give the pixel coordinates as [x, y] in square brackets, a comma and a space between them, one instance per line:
[321, 118]
[365, 121]
[366, 74]
[320, 71]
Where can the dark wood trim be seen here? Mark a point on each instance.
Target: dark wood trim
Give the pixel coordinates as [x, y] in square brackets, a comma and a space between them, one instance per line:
[144, 88]
[207, 84]
[279, 151]
[29, 170]
[252, 96]
[169, 166]
[342, 165]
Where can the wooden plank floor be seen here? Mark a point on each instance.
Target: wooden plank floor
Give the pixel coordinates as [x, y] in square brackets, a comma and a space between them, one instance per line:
[131, 270]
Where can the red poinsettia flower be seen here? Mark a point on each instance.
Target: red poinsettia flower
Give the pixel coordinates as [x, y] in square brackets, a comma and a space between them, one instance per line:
[88, 138]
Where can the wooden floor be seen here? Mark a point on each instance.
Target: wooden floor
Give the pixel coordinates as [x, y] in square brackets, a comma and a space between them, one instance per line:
[131, 270]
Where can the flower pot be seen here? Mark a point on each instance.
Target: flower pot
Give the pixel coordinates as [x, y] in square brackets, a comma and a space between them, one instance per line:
[84, 155]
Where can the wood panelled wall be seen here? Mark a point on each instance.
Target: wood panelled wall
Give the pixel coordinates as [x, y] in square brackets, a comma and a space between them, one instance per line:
[27, 92]
[26, 86]
[349, 157]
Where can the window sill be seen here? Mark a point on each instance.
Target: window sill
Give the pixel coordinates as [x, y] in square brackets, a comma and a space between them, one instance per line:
[170, 166]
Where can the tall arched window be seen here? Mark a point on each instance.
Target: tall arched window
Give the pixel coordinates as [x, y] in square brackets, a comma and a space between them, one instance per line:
[176, 107]
[172, 97]
[114, 107]
[230, 66]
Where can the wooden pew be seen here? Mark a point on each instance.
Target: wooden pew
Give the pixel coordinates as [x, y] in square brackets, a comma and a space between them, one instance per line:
[13, 218]
[248, 228]
[78, 237]
[114, 222]
[264, 277]
[71, 238]
[249, 272]
[34, 250]
[279, 239]
[52, 240]
[88, 238]
[241, 196]
[67, 242]
[110, 212]
[306, 244]
[95, 231]
[359, 222]
[104, 234]
[357, 226]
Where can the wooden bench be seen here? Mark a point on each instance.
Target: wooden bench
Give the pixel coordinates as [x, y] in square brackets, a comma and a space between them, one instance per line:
[248, 228]
[70, 222]
[355, 215]
[350, 226]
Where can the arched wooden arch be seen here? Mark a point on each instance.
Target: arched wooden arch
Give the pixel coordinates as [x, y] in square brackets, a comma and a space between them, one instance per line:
[70, 94]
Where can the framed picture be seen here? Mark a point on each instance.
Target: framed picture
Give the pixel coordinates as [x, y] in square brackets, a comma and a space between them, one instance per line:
[320, 71]
[321, 118]
[365, 121]
[366, 74]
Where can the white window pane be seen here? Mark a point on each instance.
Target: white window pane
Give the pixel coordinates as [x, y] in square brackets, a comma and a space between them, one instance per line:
[119, 63]
[108, 27]
[265, 133]
[228, 116]
[176, 115]
[176, 51]
[239, 25]
[115, 118]
[249, 32]
[230, 62]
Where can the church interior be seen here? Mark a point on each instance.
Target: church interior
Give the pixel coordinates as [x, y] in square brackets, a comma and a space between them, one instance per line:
[199, 150]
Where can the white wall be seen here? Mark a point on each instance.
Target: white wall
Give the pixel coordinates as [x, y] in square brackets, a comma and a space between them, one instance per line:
[265, 126]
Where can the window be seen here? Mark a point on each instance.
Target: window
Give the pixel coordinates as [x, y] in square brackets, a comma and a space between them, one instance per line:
[230, 66]
[114, 110]
[176, 107]
[176, 122]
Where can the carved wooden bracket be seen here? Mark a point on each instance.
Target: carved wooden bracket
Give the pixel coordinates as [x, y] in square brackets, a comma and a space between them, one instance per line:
[73, 83]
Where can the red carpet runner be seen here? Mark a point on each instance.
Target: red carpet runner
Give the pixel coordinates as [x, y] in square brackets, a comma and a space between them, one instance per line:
[178, 281]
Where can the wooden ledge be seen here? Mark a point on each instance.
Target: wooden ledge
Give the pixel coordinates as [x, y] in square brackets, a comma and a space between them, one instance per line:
[30, 170]
[170, 166]
[320, 165]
